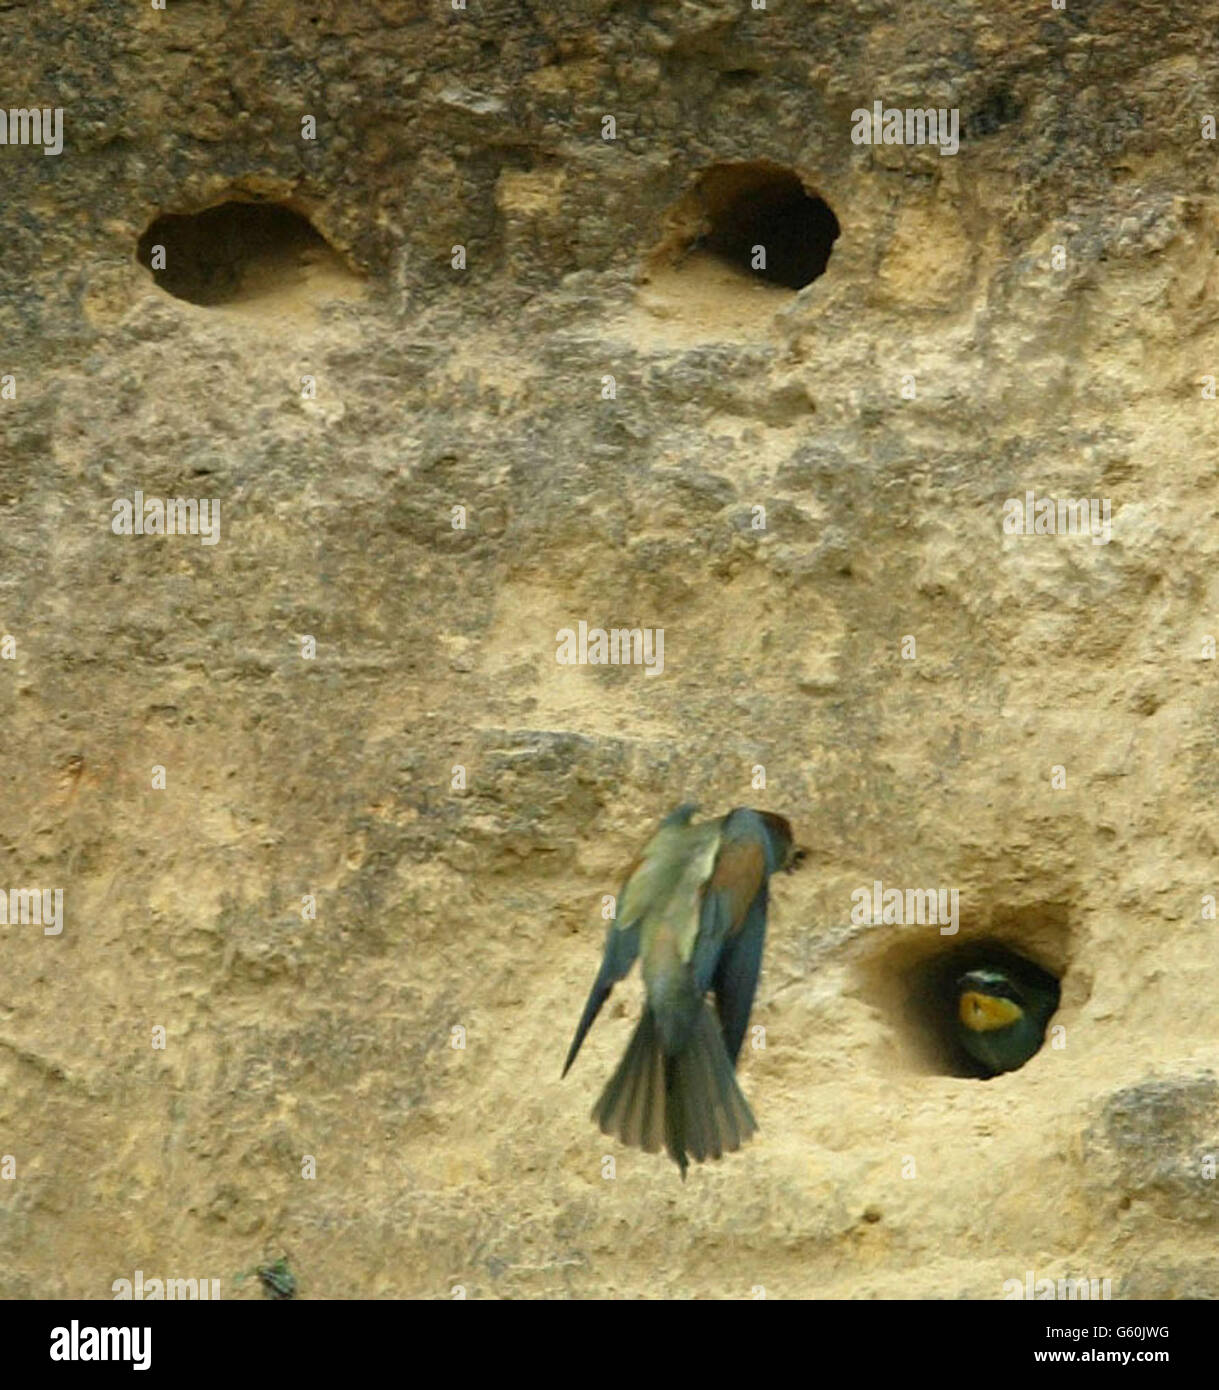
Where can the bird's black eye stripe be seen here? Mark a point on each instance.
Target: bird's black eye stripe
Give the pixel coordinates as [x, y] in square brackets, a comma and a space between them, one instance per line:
[996, 989]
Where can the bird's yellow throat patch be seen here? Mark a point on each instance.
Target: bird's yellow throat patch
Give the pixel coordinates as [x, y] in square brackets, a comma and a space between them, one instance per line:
[983, 1012]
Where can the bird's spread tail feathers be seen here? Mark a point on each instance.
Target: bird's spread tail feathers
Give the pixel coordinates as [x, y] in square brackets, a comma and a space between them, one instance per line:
[689, 1102]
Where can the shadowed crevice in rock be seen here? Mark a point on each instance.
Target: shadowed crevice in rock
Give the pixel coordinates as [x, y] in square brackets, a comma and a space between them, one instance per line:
[763, 205]
[232, 252]
[735, 209]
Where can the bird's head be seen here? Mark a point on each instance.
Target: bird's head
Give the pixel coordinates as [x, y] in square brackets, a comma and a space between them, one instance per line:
[987, 999]
[783, 855]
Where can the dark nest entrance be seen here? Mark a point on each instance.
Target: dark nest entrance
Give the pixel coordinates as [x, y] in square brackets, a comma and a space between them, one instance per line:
[931, 999]
[234, 251]
[760, 218]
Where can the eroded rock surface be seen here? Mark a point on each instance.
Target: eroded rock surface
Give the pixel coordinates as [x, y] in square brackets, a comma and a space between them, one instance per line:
[789, 483]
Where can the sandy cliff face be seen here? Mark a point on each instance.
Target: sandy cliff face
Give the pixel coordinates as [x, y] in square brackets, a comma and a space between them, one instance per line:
[792, 484]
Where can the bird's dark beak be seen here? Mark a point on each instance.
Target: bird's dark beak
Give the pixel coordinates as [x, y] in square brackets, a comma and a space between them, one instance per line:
[798, 856]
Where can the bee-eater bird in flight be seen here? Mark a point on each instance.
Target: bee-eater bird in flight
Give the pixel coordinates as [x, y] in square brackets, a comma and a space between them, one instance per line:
[693, 908]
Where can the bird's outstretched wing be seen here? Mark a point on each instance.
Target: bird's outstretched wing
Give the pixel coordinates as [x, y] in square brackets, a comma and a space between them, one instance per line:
[650, 881]
[727, 953]
[736, 975]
